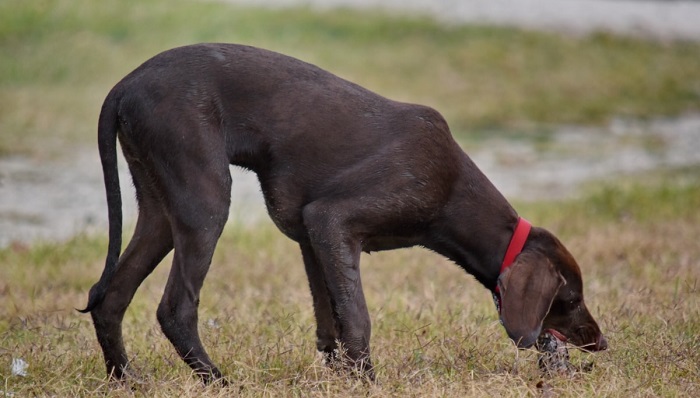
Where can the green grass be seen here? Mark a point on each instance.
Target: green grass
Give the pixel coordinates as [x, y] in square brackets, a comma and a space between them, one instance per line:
[675, 193]
[435, 330]
[59, 58]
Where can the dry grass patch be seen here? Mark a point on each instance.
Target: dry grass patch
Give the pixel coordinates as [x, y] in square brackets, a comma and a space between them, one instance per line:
[435, 330]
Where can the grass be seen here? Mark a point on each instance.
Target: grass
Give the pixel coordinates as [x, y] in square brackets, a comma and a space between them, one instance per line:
[435, 329]
[59, 58]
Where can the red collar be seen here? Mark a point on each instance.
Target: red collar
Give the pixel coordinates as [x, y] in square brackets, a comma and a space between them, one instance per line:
[517, 241]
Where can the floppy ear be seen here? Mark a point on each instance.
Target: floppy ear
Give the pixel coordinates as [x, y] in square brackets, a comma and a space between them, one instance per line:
[527, 290]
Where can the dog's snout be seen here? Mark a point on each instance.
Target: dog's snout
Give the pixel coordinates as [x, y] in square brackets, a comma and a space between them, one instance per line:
[602, 343]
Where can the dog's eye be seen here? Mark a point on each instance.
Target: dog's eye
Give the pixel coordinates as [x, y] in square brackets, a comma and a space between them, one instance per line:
[573, 303]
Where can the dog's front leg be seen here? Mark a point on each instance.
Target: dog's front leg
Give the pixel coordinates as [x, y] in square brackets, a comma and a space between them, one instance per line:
[327, 333]
[337, 254]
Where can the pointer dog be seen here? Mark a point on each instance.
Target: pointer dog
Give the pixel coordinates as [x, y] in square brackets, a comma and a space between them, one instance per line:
[343, 170]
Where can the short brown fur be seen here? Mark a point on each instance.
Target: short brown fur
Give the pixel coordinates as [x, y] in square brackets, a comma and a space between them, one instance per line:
[343, 170]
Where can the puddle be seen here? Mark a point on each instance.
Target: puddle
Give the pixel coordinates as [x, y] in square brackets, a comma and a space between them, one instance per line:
[54, 201]
[577, 155]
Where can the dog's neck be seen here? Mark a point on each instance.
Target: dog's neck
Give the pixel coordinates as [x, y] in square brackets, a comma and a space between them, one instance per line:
[479, 240]
[478, 249]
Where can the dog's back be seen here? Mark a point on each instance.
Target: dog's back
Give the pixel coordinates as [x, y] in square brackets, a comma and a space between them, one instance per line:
[306, 132]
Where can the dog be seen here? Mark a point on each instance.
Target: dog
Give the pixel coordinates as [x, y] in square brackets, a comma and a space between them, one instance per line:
[342, 170]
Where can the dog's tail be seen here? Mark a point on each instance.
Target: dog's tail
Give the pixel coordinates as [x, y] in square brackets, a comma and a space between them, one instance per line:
[107, 144]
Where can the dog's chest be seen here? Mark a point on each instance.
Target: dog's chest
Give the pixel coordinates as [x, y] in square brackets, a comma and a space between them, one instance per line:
[284, 207]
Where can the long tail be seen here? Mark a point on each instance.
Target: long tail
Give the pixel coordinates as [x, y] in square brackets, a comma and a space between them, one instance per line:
[107, 144]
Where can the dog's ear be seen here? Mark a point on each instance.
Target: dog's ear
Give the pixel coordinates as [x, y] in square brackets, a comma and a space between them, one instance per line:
[527, 290]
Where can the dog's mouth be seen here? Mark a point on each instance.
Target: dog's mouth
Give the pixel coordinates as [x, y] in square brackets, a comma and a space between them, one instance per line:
[556, 334]
[600, 343]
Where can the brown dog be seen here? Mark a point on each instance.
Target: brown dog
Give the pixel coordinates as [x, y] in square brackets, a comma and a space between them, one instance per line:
[343, 170]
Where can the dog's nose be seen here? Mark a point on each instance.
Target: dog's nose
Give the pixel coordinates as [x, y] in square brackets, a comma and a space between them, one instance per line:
[602, 344]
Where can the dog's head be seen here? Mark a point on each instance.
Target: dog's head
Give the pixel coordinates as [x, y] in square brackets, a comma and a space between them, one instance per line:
[543, 291]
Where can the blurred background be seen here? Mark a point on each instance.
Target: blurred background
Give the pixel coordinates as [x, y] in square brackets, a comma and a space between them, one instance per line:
[548, 97]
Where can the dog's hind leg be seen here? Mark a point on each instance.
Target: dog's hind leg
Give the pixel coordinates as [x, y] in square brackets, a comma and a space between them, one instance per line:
[199, 197]
[326, 330]
[151, 241]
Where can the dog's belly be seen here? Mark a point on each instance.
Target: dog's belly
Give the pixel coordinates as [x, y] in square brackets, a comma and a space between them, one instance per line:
[290, 222]
[380, 243]
[285, 205]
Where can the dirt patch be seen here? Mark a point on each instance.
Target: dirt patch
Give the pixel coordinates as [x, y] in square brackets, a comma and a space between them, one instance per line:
[573, 156]
[56, 200]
